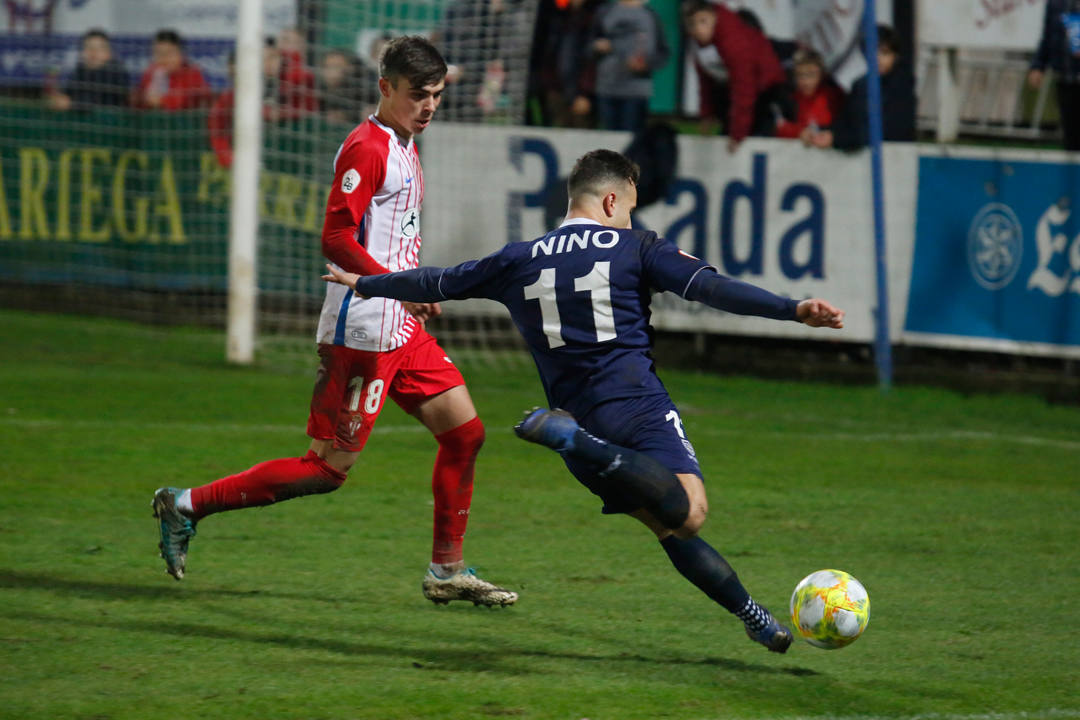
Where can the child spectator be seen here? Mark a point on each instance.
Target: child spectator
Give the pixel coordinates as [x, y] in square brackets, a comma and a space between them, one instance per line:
[757, 80]
[171, 82]
[296, 82]
[99, 78]
[628, 40]
[817, 100]
[219, 123]
[850, 129]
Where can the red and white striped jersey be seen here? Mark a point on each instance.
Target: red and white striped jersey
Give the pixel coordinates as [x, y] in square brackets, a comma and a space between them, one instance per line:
[372, 226]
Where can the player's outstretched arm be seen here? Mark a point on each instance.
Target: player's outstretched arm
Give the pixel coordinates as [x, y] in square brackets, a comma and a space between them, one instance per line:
[819, 313]
[417, 286]
[736, 296]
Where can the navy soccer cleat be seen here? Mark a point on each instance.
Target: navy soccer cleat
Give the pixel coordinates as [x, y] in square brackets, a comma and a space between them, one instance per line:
[551, 428]
[774, 636]
[176, 530]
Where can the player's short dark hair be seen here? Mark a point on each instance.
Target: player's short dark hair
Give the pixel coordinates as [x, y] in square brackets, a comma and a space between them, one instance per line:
[414, 58]
[598, 169]
[168, 36]
[887, 40]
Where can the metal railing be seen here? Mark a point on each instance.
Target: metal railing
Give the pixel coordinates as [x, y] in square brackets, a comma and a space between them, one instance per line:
[983, 93]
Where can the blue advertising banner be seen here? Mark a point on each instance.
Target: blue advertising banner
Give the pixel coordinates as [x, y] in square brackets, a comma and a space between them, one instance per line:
[997, 251]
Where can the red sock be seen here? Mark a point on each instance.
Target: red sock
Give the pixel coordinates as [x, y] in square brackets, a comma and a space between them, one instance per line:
[267, 483]
[452, 486]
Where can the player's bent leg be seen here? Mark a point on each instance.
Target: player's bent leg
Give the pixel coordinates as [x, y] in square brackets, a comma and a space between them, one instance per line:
[178, 510]
[267, 483]
[702, 565]
[660, 490]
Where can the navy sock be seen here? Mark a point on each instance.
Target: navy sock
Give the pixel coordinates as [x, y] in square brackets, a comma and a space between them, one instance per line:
[708, 570]
[659, 489]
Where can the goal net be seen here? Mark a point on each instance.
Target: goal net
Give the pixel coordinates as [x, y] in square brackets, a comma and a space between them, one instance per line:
[114, 201]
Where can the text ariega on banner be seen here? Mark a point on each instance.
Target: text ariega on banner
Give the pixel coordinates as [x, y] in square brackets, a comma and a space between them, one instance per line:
[106, 195]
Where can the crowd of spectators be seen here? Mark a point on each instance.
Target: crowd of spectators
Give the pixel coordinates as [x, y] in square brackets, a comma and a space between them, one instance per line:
[593, 64]
[341, 88]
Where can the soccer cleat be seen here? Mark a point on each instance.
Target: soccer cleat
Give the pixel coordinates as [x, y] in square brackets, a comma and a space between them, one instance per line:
[465, 585]
[774, 636]
[176, 530]
[552, 428]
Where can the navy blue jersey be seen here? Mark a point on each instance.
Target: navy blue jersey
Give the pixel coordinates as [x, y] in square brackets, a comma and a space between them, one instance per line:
[580, 297]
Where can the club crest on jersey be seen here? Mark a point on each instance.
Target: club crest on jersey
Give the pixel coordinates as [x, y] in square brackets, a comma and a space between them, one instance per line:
[410, 223]
[350, 181]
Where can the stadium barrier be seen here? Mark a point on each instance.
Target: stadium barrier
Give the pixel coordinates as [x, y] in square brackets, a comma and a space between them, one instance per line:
[983, 248]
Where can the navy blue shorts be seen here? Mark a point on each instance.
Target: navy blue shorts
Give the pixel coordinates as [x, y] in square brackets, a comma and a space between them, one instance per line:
[650, 425]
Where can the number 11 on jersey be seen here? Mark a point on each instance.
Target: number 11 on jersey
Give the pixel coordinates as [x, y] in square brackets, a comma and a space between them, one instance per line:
[597, 283]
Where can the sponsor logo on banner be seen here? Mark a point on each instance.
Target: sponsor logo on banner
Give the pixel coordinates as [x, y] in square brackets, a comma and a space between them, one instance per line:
[995, 246]
[796, 220]
[997, 251]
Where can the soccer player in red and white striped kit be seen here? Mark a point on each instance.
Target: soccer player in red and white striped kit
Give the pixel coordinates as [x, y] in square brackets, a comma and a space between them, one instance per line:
[370, 348]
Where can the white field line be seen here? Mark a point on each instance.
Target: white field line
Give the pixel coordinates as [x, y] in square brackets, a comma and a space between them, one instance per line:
[1048, 714]
[901, 437]
[874, 437]
[298, 430]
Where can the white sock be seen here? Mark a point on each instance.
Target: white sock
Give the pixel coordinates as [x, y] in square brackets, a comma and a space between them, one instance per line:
[443, 571]
[183, 503]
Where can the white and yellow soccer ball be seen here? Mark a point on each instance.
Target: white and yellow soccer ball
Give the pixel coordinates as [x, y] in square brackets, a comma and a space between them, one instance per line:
[830, 609]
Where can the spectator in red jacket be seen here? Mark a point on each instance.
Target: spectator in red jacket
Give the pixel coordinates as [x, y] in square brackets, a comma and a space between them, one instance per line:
[296, 81]
[171, 82]
[756, 77]
[817, 99]
[219, 123]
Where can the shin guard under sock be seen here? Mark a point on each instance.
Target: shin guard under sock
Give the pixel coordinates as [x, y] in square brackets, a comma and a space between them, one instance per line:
[452, 488]
[702, 565]
[267, 483]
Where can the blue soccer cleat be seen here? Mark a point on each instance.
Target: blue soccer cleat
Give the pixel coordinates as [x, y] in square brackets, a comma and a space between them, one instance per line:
[176, 530]
[774, 636]
[552, 428]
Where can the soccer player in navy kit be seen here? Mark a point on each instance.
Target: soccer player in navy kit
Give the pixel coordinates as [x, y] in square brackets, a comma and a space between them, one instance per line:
[580, 297]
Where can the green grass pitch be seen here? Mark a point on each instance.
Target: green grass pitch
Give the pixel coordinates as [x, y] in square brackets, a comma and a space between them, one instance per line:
[959, 514]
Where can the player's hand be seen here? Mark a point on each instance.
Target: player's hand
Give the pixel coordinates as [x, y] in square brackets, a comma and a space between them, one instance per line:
[1035, 78]
[733, 145]
[422, 311]
[602, 46]
[818, 313]
[339, 276]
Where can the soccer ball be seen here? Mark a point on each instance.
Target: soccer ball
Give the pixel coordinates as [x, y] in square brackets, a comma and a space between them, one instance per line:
[830, 609]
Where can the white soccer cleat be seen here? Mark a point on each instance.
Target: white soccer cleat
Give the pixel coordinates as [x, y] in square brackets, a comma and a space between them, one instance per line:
[465, 585]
